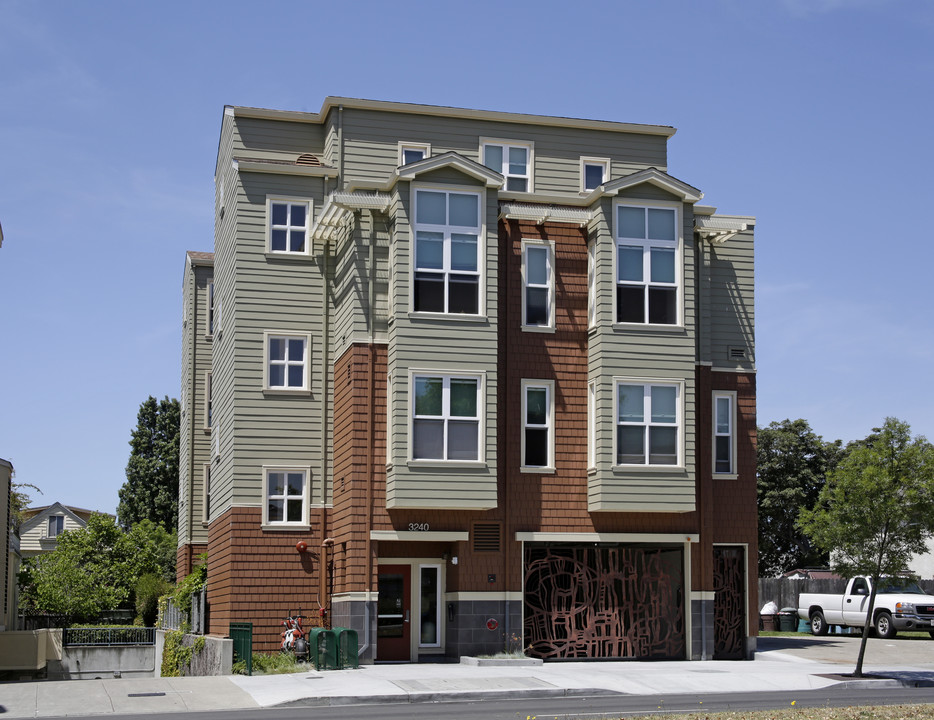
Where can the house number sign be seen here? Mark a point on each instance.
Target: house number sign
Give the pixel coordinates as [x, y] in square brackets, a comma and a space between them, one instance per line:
[421, 527]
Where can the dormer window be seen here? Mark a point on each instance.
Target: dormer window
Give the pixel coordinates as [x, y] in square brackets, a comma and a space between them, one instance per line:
[56, 525]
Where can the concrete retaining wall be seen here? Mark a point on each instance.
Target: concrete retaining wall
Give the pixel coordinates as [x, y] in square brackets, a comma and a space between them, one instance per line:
[215, 658]
[84, 662]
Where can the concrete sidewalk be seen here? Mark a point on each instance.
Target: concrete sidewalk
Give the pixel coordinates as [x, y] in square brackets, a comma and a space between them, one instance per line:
[772, 670]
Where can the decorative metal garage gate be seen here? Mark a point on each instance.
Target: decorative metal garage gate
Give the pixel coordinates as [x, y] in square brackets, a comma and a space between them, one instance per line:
[729, 604]
[604, 601]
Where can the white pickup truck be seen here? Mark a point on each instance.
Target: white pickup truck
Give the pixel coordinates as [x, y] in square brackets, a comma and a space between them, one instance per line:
[900, 605]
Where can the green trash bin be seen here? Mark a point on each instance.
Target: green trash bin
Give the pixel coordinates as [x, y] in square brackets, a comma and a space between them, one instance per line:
[242, 636]
[788, 620]
[322, 648]
[347, 648]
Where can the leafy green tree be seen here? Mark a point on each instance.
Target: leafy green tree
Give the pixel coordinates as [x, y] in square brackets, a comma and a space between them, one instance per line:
[792, 464]
[19, 501]
[95, 568]
[876, 510]
[151, 488]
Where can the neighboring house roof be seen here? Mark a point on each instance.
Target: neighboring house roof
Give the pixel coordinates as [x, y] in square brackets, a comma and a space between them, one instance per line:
[56, 508]
[811, 574]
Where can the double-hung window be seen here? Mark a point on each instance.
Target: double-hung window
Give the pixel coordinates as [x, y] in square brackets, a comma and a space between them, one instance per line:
[512, 161]
[446, 417]
[287, 225]
[56, 525]
[286, 366]
[538, 285]
[447, 252]
[537, 424]
[648, 423]
[724, 426]
[647, 262]
[285, 494]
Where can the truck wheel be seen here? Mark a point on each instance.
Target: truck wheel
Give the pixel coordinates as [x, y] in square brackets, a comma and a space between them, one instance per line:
[885, 628]
[818, 624]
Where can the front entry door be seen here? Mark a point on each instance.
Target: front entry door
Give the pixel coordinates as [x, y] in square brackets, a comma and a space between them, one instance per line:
[393, 614]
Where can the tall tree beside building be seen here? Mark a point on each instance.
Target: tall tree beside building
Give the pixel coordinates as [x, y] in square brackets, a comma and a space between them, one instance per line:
[151, 488]
[876, 510]
[792, 464]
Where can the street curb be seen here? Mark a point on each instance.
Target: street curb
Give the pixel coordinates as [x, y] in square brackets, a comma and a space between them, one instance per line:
[441, 697]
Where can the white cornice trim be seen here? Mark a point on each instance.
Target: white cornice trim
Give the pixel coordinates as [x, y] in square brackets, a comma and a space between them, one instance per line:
[607, 537]
[541, 214]
[420, 536]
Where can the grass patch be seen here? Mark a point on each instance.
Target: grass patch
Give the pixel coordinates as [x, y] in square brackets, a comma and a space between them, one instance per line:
[878, 712]
[271, 664]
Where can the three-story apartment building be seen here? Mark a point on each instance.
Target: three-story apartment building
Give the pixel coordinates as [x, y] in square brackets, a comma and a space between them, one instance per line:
[467, 380]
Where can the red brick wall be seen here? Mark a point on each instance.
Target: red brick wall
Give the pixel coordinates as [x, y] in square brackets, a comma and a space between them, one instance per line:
[728, 506]
[185, 558]
[258, 576]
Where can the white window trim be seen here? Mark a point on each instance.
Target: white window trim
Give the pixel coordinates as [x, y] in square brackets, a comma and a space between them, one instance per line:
[731, 396]
[438, 602]
[49, 525]
[208, 400]
[680, 420]
[284, 524]
[446, 229]
[549, 387]
[403, 146]
[592, 285]
[205, 493]
[306, 374]
[505, 143]
[481, 413]
[530, 243]
[211, 318]
[677, 244]
[591, 424]
[309, 209]
[605, 162]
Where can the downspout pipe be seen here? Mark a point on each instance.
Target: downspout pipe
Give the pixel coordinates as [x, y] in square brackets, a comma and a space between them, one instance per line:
[325, 372]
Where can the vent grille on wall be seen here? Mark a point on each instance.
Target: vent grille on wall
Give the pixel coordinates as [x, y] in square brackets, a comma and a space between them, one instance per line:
[737, 353]
[308, 160]
[486, 537]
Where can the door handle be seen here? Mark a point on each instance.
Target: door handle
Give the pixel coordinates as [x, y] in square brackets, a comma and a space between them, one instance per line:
[406, 616]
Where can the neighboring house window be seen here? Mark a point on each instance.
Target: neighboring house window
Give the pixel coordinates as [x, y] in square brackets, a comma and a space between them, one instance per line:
[512, 161]
[288, 225]
[286, 361]
[537, 424]
[646, 265]
[447, 252]
[413, 152]
[591, 424]
[285, 492]
[592, 285]
[648, 424]
[538, 285]
[206, 505]
[208, 402]
[56, 525]
[210, 308]
[594, 172]
[445, 417]
[724, 432]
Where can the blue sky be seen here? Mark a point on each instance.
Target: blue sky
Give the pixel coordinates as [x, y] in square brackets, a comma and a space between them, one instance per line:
[813, 115]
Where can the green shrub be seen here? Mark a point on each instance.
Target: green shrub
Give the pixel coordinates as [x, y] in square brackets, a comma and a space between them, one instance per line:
[149, 588]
